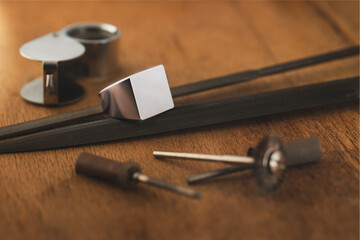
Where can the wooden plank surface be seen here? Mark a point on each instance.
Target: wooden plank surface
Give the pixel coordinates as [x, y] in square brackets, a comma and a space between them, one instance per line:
[42, 198]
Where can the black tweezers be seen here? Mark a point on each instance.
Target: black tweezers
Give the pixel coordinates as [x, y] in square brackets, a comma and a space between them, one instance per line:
[90, 125]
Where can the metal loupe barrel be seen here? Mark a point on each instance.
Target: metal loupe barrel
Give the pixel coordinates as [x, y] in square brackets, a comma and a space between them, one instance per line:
[101, 42]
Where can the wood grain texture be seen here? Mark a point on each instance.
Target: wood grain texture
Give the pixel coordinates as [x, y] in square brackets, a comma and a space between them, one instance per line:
[42, 198]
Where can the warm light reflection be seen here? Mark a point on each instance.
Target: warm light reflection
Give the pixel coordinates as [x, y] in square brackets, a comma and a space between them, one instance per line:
[3, 20]
[12, 24]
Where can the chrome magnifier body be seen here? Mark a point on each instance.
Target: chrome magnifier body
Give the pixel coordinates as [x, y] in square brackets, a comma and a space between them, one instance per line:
[86, 50]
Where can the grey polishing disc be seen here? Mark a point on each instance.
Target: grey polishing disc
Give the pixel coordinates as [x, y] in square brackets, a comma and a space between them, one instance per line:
[269, 163]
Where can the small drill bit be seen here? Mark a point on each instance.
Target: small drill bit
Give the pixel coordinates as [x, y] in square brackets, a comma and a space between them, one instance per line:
[185, 191]
[125, 175]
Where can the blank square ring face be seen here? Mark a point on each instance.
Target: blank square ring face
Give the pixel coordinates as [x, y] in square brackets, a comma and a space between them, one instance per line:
[152, 92]
[149, 91]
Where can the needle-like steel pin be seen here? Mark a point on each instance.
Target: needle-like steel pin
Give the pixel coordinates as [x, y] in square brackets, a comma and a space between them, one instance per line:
[268, 160]
[206, 157]
[125, 175]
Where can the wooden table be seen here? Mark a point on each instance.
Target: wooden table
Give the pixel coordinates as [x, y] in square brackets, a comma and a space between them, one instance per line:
[41, 197]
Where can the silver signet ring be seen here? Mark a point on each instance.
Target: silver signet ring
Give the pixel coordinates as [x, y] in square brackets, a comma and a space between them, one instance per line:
[139, 96]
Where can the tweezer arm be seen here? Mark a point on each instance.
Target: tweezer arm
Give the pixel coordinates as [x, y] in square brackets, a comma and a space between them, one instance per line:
[54, 121]
[89, 113]
[266, 71]
[190, 116]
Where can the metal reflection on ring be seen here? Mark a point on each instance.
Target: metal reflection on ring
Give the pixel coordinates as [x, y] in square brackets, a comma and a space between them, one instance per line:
[139, 96]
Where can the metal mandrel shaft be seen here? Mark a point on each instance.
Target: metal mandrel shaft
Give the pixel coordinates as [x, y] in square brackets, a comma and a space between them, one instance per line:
[206, 157]
[216, 173]
[245, 163]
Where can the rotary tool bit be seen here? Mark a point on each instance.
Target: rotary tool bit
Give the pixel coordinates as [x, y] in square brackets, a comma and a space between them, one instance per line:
[125, 175]
[268, 160]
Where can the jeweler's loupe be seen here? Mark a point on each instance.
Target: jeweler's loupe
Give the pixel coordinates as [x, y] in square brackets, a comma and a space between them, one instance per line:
[79, 51]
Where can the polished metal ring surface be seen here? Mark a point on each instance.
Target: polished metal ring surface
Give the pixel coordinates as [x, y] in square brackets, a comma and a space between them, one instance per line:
[139, 96]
